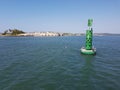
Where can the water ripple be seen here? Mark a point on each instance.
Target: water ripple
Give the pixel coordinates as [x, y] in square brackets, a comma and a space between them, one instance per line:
[55, 63]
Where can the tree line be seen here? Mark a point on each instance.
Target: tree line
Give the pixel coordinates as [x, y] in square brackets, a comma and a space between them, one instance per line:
[13, 32]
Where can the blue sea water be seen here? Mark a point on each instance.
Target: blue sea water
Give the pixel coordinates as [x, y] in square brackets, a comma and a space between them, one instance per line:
[55, 63]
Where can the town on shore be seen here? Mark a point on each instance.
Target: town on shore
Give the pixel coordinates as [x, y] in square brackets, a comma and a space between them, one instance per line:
[16, 32]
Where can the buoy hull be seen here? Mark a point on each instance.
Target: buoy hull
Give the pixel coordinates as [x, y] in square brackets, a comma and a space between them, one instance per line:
[88, 52]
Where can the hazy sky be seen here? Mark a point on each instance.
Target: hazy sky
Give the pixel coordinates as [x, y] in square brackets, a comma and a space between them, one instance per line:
[60, 15]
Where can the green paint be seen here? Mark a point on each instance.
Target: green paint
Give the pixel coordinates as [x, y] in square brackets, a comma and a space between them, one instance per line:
[88, 45]
[90, 21]
[89, 50]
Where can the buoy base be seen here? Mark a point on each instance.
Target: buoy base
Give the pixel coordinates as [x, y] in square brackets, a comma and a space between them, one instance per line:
[88, 52]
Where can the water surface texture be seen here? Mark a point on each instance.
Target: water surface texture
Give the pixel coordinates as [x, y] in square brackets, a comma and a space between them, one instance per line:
[55, 63]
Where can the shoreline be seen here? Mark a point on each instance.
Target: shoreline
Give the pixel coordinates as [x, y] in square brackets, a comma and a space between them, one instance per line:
[54, 34]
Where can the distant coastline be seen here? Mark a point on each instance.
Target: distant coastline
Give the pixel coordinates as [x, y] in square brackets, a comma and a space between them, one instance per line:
[16, 32]
[47, 34]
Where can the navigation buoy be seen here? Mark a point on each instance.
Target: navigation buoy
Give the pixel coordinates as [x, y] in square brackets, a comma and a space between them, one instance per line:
[88, 49]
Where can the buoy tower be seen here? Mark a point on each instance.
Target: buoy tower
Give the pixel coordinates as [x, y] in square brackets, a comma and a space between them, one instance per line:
[88, 49]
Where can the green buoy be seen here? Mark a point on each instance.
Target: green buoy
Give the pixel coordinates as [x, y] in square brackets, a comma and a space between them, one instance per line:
[88, 49]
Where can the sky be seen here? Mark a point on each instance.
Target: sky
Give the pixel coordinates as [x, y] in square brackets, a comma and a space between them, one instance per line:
[60, 15]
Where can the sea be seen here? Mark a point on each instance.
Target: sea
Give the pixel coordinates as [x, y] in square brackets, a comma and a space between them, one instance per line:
[55, 63]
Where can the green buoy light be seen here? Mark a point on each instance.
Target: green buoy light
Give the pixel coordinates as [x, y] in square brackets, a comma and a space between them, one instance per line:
[88, 49]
